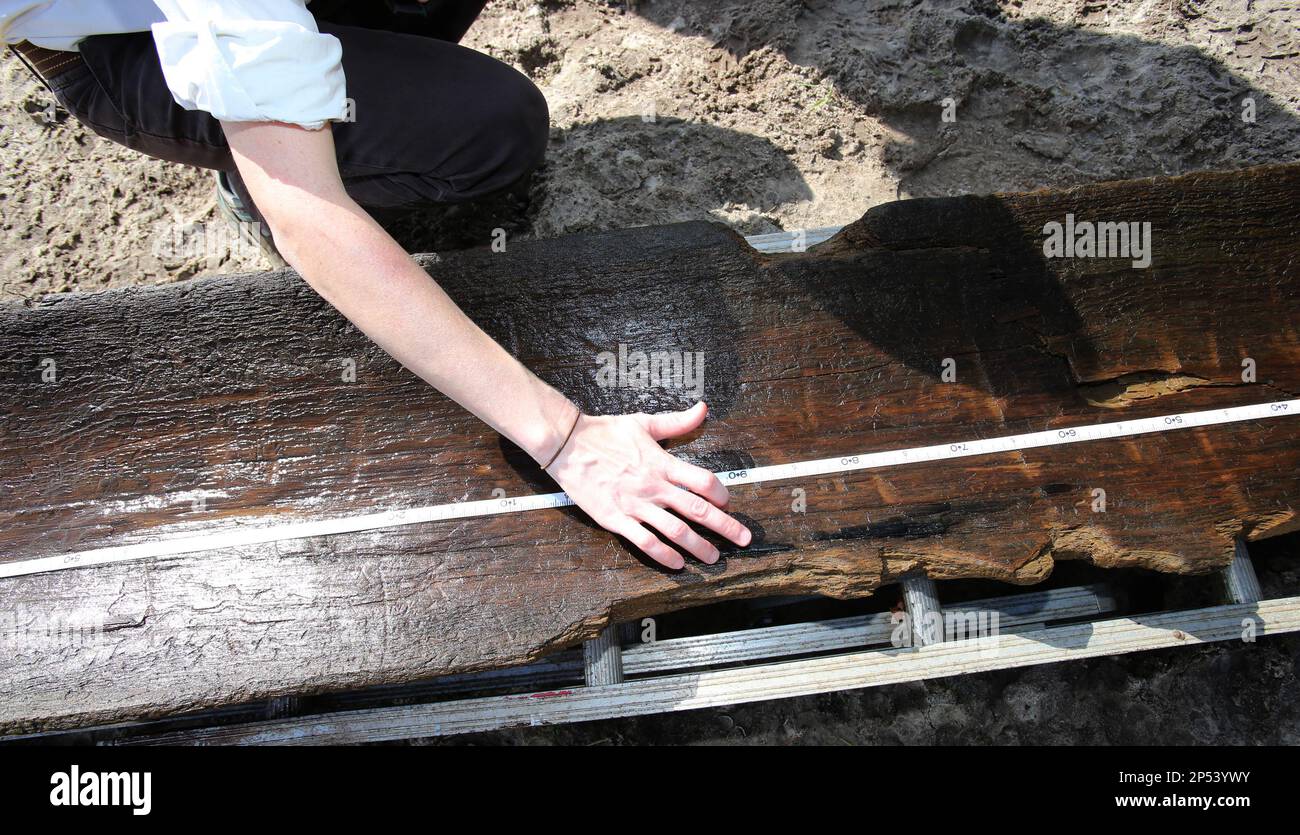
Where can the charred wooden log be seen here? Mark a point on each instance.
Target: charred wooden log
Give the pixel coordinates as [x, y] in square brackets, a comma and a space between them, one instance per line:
[140, 413]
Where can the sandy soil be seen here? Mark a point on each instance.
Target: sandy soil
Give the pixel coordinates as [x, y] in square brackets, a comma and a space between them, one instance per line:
[782, 114]
[767, 115]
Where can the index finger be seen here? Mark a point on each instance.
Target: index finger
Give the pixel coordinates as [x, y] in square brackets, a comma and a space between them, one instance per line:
[698, 510]
[698, 480]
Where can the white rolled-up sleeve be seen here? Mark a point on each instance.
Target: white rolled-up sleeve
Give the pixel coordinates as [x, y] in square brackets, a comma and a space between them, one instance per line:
[251, 61]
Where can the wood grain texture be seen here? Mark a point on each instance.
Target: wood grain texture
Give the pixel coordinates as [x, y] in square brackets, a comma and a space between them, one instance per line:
[232, 389]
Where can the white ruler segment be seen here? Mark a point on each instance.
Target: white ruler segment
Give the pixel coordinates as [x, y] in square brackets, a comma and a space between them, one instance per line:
[255, 534]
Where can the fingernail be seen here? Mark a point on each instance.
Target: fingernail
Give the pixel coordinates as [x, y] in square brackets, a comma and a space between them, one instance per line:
[745, 537]
[714, 557]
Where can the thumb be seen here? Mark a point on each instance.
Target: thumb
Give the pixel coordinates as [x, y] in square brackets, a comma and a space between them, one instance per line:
[671, 424]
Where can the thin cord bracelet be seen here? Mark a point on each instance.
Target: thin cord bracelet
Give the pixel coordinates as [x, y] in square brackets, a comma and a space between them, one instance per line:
[566, 441]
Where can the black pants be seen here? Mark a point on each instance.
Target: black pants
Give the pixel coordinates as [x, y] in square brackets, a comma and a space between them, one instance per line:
[435, 122]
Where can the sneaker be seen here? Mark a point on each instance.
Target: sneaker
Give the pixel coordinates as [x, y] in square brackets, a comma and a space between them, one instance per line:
[250, 230]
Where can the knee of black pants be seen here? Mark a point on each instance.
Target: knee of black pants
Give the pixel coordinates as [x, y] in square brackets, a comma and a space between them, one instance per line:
[536, 129]
[510, 129]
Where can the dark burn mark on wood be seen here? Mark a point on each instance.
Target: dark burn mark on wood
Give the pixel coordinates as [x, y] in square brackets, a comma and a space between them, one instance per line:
[725, 460]
[897, 529]
[920, 522]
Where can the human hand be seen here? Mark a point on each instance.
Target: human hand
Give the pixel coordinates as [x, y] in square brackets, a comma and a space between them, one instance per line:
[614, 469]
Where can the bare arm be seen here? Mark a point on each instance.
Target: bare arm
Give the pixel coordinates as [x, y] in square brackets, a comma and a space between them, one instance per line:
[612, 467]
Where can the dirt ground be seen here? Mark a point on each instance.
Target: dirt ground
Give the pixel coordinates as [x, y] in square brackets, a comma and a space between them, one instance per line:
[785, 114]
[761, 114]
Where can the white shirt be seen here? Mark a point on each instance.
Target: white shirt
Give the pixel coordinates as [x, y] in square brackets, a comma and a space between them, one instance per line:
[240, 60]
